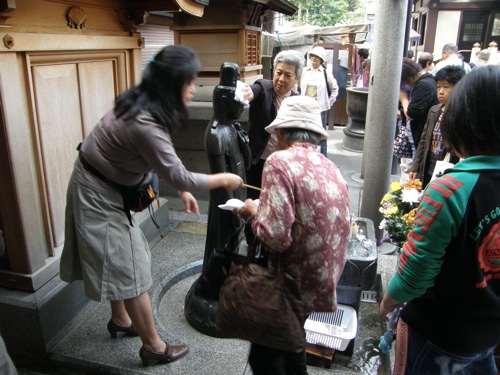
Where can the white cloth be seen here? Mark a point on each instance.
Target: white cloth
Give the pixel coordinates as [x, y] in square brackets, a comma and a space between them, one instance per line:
[238, 95]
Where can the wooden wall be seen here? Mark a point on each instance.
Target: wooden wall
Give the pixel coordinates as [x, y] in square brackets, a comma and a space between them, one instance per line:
[55, 83]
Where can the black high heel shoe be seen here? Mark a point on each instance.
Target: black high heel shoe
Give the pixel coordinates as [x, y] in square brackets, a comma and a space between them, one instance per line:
[172, 353]
[113, 328]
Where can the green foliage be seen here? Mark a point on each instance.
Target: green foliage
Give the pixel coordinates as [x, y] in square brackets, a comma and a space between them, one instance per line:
[354, 5]
[356, 13]
[326, 12]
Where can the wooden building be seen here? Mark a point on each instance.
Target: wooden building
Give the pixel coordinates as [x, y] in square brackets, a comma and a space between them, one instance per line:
[455, 21]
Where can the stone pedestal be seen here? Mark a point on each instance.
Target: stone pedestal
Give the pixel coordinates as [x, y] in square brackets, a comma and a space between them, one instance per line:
[354, 133]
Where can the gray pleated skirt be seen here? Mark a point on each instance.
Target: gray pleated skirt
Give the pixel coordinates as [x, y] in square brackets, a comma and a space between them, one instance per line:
[102, 248]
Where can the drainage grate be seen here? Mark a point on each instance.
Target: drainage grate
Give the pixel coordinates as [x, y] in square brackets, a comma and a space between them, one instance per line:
[370, 296]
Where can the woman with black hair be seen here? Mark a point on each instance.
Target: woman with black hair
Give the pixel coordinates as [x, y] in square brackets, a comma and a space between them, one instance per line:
[102, 247]
[448, 272]
[422, 97]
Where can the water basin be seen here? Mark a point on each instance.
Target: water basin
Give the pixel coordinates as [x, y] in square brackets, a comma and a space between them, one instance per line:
[361, 265]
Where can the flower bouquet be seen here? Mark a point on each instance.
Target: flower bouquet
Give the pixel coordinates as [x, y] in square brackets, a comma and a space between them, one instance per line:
[399, 207]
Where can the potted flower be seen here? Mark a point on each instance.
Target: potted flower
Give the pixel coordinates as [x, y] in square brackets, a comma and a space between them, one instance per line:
[399, 207]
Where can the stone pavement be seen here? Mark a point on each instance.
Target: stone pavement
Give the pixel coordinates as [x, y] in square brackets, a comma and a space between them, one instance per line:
[86, 347]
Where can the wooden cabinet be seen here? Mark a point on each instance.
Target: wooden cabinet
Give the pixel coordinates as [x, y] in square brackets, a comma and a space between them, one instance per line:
[226, 32]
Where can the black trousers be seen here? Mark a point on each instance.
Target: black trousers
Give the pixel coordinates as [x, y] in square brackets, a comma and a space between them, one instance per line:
[268, 361]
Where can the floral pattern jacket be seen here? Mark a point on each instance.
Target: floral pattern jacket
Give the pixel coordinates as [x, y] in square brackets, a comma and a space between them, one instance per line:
[304, 212]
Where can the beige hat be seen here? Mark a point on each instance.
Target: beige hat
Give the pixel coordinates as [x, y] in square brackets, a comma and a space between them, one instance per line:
[318, 51]
[191, 7]
[302, 112]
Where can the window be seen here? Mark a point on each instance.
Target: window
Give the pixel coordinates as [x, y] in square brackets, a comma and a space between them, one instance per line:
[472, 32]
[423, 24]
[495, 31]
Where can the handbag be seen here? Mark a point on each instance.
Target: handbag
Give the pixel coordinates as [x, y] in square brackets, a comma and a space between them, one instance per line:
[402, 146]
[139, 197]
[261, 305]
[217, 267]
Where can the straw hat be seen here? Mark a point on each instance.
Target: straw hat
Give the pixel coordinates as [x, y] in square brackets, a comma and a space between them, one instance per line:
[191, 7]
[318, 51]
[302, 112]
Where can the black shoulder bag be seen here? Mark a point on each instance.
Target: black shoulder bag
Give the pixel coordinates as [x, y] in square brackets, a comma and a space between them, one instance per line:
[326, 81]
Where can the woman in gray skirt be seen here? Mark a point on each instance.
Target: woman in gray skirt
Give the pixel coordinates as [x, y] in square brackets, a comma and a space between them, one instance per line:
[102, 246]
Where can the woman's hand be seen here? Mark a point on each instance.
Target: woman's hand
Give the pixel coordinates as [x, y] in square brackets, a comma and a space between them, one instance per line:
[247, 211]
[190, 203]
[412, 175]
[388, 304]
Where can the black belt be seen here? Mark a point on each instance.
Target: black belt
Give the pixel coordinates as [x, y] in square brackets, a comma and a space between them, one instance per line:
[95, 172]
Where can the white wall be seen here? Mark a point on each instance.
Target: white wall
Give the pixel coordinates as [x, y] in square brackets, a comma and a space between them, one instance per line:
[155, 38]
[447, 29]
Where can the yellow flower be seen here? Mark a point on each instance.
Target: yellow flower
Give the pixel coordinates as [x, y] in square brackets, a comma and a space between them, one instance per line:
[392, 211]
[395, 186]
[410, 216]
[386, 198]
[413, 184]
[399, 209]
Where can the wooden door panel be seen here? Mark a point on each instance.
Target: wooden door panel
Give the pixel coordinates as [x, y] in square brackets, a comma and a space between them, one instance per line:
[59, 128]
[98, 91]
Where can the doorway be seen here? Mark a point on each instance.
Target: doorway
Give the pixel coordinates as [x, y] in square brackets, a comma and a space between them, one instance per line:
[472, 30]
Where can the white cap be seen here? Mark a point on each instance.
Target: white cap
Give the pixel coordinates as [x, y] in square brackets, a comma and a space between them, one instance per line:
[318, 51]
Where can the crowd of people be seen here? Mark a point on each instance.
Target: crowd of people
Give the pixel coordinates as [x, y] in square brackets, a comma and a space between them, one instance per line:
[448, 273]
[419, 82]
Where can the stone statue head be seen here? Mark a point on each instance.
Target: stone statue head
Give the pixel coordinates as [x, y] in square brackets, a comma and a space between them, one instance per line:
[226, 106]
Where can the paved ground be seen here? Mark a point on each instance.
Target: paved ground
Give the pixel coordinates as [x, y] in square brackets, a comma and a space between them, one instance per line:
[177, 259]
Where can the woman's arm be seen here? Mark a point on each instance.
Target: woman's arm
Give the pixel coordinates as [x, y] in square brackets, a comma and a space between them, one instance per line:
[229, 181]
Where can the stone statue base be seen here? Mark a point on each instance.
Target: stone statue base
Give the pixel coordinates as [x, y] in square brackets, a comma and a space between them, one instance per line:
[200, 312]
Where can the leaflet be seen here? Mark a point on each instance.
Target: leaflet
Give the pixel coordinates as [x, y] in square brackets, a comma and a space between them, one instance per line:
[233, 203]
